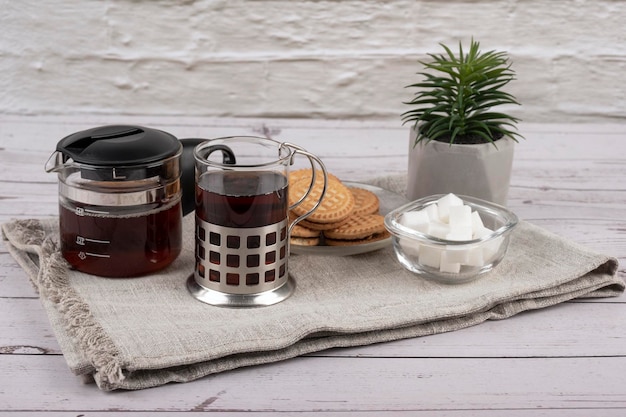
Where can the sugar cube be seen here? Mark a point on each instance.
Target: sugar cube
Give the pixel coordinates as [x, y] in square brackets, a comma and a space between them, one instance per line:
[459, 217]
[438, 229]
[475, 256]
[447, 266]
[477, 222]
[483, 231]
[430, 256]
[458, 254]
[444, 204]
[416, 220]
[433, 212]
[460, 234]
[409, 247]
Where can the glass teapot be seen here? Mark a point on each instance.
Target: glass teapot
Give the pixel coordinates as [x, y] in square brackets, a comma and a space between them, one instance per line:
[122, 193]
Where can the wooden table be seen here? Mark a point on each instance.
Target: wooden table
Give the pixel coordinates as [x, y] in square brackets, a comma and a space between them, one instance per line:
[568, 360]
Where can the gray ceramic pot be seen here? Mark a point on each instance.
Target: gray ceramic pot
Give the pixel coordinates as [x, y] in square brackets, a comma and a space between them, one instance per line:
[481, 171]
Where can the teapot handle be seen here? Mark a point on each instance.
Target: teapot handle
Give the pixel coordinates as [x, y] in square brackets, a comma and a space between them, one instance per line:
[188, 170]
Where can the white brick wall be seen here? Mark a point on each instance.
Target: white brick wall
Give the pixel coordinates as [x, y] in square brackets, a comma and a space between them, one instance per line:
[339, 59]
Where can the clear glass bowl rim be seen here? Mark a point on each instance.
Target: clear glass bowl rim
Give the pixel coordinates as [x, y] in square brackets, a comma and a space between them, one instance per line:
[392, 223]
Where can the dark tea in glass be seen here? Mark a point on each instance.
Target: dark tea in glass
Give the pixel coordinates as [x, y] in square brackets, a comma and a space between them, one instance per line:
[241, 199]
[118, 244]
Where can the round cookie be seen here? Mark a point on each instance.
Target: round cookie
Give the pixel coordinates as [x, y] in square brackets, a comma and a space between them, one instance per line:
[358, 227]
[320, 226]
[366, 202]
[337, 204]
[304, 241]
[301, 231]
[313, 225]
[306, 173]
[303, 236]
[369, 239]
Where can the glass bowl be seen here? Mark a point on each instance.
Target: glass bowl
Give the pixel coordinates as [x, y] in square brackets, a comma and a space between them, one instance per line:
[448, 259]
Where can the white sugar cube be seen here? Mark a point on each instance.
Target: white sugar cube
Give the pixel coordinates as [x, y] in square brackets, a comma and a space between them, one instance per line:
[444, 204]
[416, 220]
[430, 256]
[483, 231]
[460, 233]
[433, 212]
[409, 247]
[456, 254]
[450, 267]
[459, 217]
[475, 256]
[477, 222]
[438, 229]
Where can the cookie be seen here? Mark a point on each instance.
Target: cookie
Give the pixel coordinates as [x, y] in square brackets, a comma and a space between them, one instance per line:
[304, 241]
[301, 231]
[303, 236]
[337, 204]
[320, 226]
[365, 201]
[306, 173]
[373, 238]
[358, 227]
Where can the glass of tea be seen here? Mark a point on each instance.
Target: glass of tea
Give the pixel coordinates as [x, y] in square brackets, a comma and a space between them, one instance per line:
[242, 223]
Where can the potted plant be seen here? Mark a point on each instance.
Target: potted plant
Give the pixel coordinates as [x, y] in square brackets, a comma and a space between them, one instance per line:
[458, 144]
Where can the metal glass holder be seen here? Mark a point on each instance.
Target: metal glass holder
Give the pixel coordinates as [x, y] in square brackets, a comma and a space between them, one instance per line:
[221, 299]
[241, 267]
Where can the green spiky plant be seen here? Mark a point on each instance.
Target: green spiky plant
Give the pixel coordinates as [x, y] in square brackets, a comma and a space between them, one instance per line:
[454, 101]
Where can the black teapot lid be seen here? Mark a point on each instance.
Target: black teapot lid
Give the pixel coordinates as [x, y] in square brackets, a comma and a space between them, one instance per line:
[118, 145]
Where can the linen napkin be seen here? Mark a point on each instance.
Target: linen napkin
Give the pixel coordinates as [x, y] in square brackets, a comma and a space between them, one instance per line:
[144, 332]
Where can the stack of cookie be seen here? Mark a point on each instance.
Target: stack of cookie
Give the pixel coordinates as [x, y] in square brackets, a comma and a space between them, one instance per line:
[346, 215]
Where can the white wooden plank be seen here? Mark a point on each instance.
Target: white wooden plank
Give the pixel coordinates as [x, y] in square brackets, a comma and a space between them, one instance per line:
[337, 384]
[24, 328]
[376, 413]
[551, 141]
[547, 176]
[607, 174]
[13, 280]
